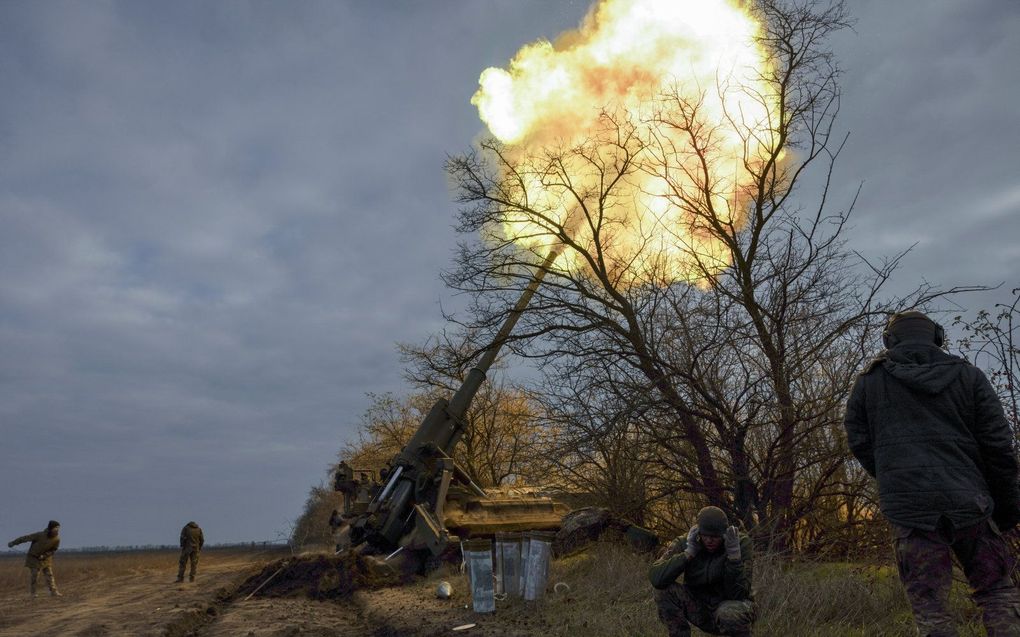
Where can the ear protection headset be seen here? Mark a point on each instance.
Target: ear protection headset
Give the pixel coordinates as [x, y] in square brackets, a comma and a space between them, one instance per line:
[889, 339]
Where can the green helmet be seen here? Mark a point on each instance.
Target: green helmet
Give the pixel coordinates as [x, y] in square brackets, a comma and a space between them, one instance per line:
[712, 521]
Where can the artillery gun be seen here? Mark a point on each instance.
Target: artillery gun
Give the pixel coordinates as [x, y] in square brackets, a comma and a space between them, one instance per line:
[428, 501]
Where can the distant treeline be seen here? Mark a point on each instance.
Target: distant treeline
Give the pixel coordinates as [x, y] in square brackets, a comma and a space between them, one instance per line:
[265, 544]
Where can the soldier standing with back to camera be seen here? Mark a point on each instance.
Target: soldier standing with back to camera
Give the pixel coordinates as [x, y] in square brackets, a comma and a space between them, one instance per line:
[930, 429]
[192, 541]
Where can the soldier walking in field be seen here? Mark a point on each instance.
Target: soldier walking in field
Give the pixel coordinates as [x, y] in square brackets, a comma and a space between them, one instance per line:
[715, 561]
[40, 555]
[930, 429]
[192, 541]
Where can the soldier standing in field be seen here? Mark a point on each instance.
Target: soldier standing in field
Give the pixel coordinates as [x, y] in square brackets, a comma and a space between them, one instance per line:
[345, 483]
[930, 429]
[192, 541]
[715, 562]
[40, 555]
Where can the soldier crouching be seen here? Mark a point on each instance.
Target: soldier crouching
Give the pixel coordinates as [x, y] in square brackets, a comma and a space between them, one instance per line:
[715, 561]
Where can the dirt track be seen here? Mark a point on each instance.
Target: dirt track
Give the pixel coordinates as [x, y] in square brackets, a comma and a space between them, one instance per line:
[143, 600]
[138, 597]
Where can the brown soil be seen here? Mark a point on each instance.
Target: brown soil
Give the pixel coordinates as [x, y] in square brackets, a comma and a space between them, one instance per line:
[114, 594]
[315, 595]
[385, 604]
[135, 595]
[318, 577]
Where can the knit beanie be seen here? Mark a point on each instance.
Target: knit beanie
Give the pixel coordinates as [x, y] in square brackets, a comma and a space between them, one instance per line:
[910, 327]
[712, 521]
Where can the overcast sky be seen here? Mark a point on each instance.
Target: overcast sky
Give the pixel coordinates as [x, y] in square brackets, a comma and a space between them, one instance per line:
[217, 218]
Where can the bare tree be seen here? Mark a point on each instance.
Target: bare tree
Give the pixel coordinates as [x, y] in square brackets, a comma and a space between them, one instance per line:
[992, 339]
[386, 426]
[594, 443]
[500, 427]
[733, 369]
[497, 447]
[312, 526]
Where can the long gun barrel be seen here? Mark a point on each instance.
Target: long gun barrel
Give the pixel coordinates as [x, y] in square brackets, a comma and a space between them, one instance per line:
[400, 513]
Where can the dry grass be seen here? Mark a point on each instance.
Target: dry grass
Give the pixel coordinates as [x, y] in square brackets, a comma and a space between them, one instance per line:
[610, 597]
[72, 569]
[75, 570]
[842, 600]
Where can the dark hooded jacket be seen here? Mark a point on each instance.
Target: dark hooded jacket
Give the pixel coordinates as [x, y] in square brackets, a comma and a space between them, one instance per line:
[930, 428]
[192, 538]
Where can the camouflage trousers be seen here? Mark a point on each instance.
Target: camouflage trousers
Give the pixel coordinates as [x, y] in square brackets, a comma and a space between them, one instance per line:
[47, 572]
[924, 560]
[678, 609]
[186, 556]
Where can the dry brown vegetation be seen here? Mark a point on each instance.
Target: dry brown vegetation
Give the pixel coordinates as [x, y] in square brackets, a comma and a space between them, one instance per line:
[653, 397]
[83, 570]
[129, 593]
[608, 596]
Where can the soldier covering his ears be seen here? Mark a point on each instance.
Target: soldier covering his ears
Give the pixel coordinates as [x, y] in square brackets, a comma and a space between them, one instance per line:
[715, 595]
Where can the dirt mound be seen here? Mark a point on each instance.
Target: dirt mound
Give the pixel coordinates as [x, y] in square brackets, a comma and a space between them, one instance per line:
[319, 577]
[191, 623]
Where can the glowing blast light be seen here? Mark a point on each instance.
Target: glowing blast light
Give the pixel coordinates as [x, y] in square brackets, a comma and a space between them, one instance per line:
[628, 54]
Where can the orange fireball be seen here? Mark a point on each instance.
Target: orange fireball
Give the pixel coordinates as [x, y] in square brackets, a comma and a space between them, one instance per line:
[636, 67]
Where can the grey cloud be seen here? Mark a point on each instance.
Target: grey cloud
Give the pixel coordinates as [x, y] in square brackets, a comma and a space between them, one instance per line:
[218, 218]
[929, 107]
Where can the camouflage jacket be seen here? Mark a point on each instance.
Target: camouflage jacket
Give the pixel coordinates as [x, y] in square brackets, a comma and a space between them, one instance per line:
[40, 552]
[192, 538]
[930, 428]
[709, 577]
